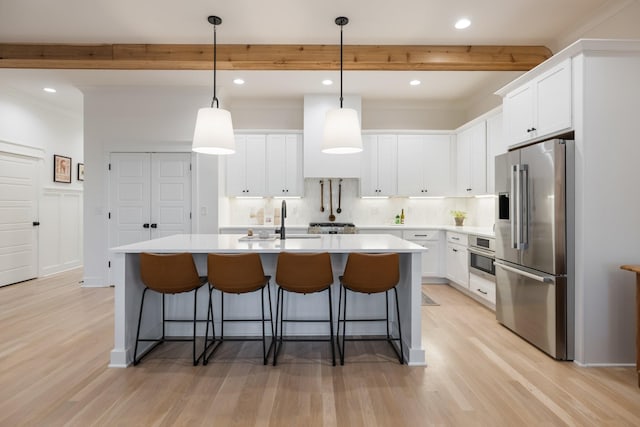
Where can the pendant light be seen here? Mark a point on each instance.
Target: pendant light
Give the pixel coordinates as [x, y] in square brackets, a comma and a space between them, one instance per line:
[214, 130]
[342, 127]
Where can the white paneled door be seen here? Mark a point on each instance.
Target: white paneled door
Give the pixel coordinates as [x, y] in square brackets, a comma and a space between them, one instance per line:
[150, 196]
[18, 219]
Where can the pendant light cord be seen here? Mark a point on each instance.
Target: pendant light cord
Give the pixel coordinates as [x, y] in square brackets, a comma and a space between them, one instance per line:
[215, 98]
[341, 27]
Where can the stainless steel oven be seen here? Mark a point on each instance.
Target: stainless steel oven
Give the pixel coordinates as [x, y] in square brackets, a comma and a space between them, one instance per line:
[482, 256]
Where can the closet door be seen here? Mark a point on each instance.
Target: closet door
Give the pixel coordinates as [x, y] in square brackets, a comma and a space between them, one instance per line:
[150, 196]
[170, 194]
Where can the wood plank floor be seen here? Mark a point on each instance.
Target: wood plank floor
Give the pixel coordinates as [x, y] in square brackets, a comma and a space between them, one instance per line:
[55, 341]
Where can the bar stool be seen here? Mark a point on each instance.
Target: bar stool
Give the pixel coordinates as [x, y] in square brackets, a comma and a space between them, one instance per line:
[302, 273]
[168, 274]
[370, 274]
[236, 274]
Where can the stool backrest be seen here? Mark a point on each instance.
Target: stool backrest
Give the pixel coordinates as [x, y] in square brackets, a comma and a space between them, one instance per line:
[371, 273]
[235, 272]
[169, 273]
[304, 272]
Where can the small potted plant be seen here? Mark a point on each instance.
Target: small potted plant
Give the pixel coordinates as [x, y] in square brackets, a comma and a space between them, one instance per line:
[459, 217]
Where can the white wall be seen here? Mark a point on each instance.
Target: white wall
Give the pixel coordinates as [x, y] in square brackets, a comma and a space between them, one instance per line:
[153, 119]
[38, 128]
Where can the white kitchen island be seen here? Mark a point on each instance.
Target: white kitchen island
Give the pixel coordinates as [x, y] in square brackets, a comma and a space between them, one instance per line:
[128, 288]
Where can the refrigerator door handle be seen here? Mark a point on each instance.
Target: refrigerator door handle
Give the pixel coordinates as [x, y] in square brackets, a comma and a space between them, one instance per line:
[524, 203]
[514, 205]
[541, 279]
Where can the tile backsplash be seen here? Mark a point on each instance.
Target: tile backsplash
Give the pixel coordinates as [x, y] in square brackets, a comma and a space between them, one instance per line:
[480, 211]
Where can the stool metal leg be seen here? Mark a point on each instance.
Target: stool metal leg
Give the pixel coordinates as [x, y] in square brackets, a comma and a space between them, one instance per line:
[344, 326]
[399, 327]
[333, 351]
[135, 351]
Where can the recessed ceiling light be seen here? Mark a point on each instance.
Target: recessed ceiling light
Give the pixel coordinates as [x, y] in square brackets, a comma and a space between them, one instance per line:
[49, 89]
[327, 82]
[238, 81]
[415, 82]
[462, 23]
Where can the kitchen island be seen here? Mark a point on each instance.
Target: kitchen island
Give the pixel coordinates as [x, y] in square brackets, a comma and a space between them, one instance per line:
[128, 287]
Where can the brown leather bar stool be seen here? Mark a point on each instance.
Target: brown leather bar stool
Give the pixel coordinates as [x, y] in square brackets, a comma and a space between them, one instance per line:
[370, 274]
[168, 274]
[302, 273]
[236, 274]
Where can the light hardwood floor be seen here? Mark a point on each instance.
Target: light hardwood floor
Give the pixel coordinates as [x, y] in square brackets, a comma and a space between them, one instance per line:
[55, 341]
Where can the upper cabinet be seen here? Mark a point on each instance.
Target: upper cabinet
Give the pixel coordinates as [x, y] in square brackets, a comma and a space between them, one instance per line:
[424, 168]
[246, 167]
[284, 165]
[379, 165]
[316, 163]
[496, 145]
[540, 107]
[471, 171]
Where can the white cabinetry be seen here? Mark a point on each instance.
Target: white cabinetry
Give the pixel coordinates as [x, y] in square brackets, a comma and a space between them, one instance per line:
[471, 169]
[430, 239]
[483, 288]
[424, 165]
[457, 258]
[496, 145]
[541, 107]
[284, 165]
[379, 165]
[246, 167]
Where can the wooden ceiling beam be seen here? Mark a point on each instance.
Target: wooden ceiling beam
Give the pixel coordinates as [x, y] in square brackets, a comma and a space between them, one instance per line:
[271, 57]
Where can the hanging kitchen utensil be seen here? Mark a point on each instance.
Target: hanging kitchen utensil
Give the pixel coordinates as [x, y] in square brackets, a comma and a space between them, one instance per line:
[332, 217]
[321, 196]
[339, 210]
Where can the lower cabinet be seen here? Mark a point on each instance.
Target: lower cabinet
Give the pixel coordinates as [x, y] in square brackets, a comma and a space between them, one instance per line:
[457, 258]
[483, 288]
[430, 239]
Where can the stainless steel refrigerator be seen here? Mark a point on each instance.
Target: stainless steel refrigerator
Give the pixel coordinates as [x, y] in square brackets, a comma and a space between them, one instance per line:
[534, 280]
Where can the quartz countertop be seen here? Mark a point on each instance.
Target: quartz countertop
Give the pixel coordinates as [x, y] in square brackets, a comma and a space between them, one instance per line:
[230, 243]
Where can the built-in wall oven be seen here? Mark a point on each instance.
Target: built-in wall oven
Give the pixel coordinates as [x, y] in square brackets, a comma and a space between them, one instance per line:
[482, 256]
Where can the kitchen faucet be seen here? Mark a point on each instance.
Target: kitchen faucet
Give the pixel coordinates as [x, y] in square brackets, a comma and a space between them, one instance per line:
[283, 215]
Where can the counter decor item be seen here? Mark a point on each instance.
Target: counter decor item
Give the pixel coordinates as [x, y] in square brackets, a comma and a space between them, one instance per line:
[459, 217]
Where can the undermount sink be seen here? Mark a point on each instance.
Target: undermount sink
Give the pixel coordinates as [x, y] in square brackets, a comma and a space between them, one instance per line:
[302, 236]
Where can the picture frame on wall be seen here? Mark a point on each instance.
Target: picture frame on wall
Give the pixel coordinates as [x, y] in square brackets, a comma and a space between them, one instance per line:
[80, 171]
[61, 169]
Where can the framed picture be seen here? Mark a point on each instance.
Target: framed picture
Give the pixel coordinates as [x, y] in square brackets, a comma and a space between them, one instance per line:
[80, 171]
[61, 169]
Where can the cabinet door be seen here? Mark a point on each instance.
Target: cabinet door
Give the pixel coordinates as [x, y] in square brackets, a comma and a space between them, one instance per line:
[431, 259]
[518, 114]
[276, 165]
[457, 264]
[369, 167]
[293, 165]
[471, 161]
[255, 165]
[387, 163]
[436, 165]
[411, 165]
[236, 169]
[463, 154]
[495, 146]
[553, 100]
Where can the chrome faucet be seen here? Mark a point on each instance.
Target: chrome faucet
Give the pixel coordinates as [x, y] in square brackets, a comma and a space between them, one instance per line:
[283, 215]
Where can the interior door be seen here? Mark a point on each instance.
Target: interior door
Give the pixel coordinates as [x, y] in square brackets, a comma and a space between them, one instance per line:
[130, 198]
[170, 194]
[18, 212]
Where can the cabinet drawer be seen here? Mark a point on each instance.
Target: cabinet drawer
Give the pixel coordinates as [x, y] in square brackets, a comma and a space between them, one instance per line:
[457, 238]
[421, 234]
[482, 287]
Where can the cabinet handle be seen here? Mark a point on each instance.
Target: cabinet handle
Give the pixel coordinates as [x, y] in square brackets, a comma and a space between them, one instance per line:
[533, 129]
[145, 225]
[481, 291]
[455, 238]
[420, 235]
[468, 189]
[454, 250]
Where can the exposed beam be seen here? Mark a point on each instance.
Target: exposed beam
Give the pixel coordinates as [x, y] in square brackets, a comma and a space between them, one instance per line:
[270, 57]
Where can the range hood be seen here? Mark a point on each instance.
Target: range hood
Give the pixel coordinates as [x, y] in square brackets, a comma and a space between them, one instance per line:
[316, 163]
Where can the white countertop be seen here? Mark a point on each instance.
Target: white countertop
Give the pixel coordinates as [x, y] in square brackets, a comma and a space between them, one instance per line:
[481, 231]
[229, 243]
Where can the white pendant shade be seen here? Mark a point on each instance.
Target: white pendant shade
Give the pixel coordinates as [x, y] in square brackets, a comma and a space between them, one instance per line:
[214, 132]
[342, 132]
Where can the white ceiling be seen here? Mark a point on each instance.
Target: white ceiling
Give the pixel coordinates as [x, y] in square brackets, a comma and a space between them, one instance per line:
[539, 22]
